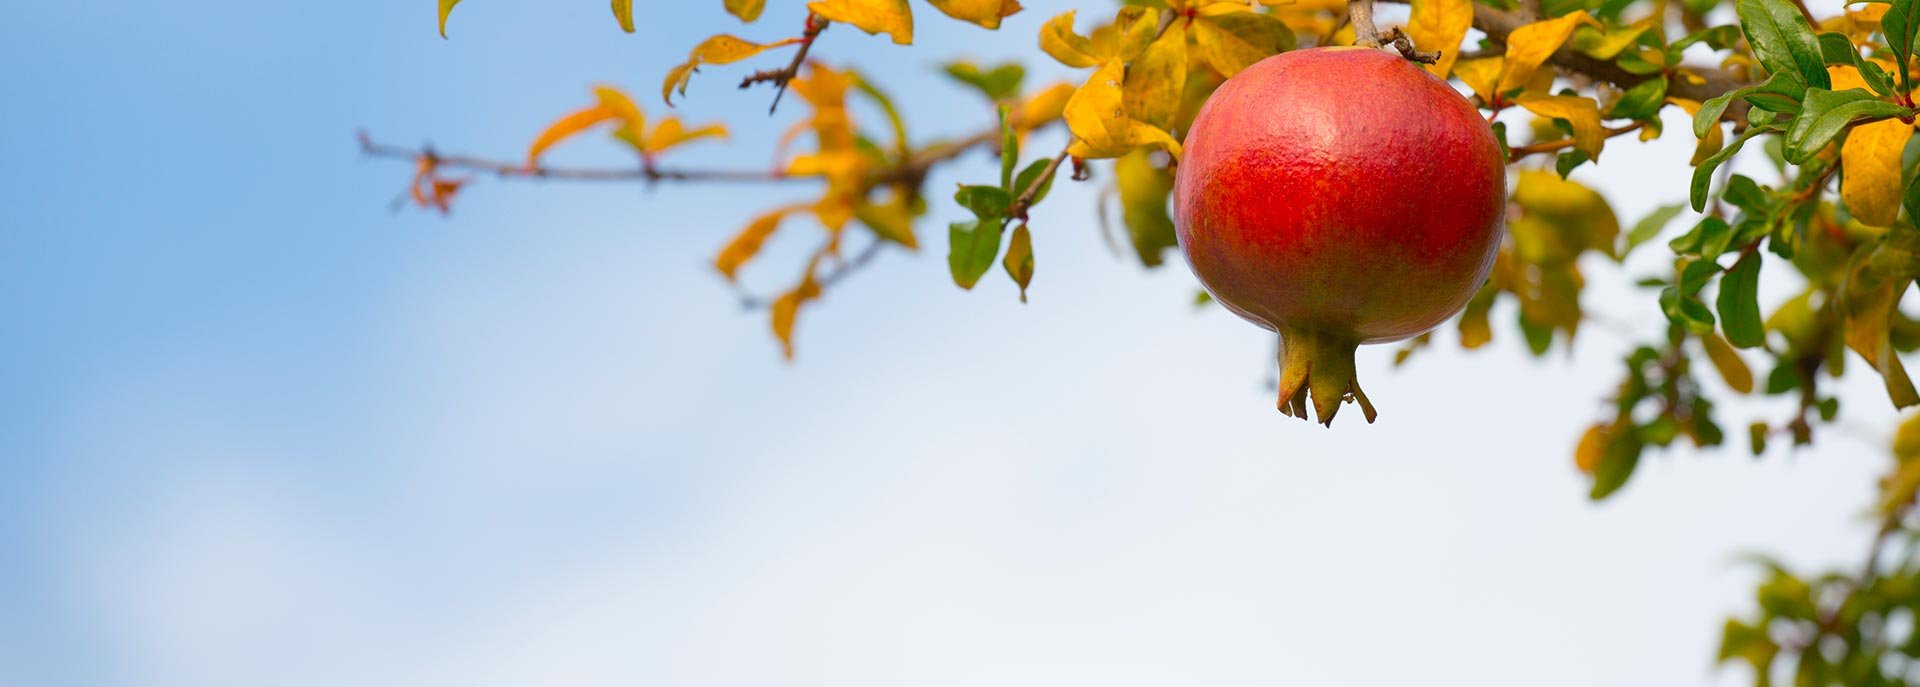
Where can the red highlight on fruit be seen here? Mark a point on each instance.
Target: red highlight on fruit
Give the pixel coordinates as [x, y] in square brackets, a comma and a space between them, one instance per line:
[1339, 196]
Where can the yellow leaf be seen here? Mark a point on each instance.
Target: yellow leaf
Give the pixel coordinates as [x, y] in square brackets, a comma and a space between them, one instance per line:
[720, 49]
[1058, 39]
[987, 13]
[891, 17]
[1870, 161]
[1440, 25]
[1715, 140]
[786, 308]
[1234, 41]
[1870, 171]
[1475, 330]
[1605, 44]
[1529, 46]
[1582, 113]
[1100, 124]
[892, 220]
[746, 10]
[1732, 369]
[1155, 81]
[1592, 448]
[622, 107]
[565, 127]
[1480, 75]
[446, 7]
[727, 49]
[1043, 107]
[677, 79]
[1019, 259]
[1132, 29]
[746, 244]
[671, 133]
[1868, 308]
[623, 11]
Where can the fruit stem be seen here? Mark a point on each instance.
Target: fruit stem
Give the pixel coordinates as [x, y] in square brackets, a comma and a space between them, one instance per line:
[1318, 366]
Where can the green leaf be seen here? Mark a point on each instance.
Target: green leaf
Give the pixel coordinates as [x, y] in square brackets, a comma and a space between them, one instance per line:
[1746, 194]
[1616, 464]
[1739, 302]
[987, 203]
[1565, 162]
[1825, 113]
[1711, 110]
[1641, 101]
[1000, 83]
[623, 13]
[971, 247]
[1898, 25]
[1839, 50]
[1027, 177]
[1782, 40]
[1650, 226]
[1911, 199]
[1143, 204]
[1703, 174]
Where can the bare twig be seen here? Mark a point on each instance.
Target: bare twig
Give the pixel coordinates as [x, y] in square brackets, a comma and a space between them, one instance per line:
[780, 77]
[1018, 210]
[1360, 12]
[845, 269]
[1519, 152]
[520, 170]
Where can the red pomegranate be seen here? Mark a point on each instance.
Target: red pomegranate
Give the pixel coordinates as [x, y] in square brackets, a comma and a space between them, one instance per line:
[1339, 196]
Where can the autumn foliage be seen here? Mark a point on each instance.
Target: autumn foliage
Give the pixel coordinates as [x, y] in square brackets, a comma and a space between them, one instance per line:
[1825, 101]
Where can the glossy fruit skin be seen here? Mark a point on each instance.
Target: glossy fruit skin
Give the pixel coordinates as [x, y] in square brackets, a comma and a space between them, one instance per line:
[1344, 192]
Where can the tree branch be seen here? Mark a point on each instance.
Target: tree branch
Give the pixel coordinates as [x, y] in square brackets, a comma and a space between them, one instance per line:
[1499, 24]
[1519, 152]
[519, 170]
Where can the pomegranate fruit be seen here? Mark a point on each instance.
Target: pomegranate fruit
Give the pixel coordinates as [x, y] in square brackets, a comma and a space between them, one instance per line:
[1339, 196]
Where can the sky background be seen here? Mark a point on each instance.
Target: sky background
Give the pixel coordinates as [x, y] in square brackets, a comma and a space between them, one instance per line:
[256, 428]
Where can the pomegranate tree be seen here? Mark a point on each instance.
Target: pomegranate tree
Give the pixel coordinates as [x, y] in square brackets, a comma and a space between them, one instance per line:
[1339, 196]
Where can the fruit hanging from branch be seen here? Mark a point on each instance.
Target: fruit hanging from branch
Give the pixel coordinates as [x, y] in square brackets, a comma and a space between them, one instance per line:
[1339, 196]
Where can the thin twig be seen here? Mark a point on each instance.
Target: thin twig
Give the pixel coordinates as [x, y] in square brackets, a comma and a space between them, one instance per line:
[780, 77]
[1018, 210]
[844, 270]
[520, 170]
[1516, 154]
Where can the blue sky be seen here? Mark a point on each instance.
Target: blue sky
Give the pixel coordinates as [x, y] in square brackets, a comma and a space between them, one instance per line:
[258, 429]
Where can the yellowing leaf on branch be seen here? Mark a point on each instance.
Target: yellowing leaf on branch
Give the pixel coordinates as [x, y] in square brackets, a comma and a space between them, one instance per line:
[1058, 39]
[1529, 46]
[987, 13]
[746, 244]
[1440, 25]
[1481, 75]
[1583, 113]
[670, 132]
[1101, 128]
[1232, 41]
[891, 17]
[564, 128]
[786, 308]
[1870, 161]
[623, 12]
[746, 10]
[1043, 107]
[446, 7]
[1868, 307]
[1132, 29]
[1155, 81]
[720, 49]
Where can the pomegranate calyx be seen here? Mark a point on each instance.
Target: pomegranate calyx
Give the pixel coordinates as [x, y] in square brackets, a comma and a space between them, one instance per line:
[1319, 366]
